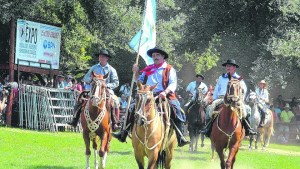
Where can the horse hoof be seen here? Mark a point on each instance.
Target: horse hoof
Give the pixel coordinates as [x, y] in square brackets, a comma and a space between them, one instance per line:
[202, 145]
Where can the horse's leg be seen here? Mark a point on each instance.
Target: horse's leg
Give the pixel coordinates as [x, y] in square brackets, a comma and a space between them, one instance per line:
[87, 148]
[96, 162]
[212, 152]
[196, 140]
[153, 158]
[257, 138]
[139, 158]
[221, 156]
[170, 154]
[192, 140]
[250, 142]
[231, 155]
[268, 137]
[202, 140]
[103, 152]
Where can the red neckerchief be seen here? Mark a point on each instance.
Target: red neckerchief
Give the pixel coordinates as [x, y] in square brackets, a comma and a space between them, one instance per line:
[149, 70]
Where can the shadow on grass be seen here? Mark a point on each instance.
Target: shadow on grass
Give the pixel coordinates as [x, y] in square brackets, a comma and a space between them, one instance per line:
[49, 167]
[192, 152]
[120, 152]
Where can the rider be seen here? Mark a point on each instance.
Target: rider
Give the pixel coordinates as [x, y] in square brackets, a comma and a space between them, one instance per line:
[263, 100]
[219, 93]
[112, 82]
[165, 76]
[193, 88]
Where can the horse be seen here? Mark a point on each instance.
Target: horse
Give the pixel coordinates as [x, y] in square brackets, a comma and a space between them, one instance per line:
[152, 137]
[263, 133]
[227, 131]
[95, 121]
[196, 117]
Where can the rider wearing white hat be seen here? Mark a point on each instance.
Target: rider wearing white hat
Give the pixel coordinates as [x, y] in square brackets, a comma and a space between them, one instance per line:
[263, 100]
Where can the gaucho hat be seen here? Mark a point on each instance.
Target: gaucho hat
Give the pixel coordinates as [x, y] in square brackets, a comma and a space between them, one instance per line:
[230, 62]
[157, 50]
[103, 52]
[199, 75]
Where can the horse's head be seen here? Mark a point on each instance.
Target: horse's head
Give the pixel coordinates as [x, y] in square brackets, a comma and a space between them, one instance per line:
[252, 97]
[208, 99]
[98, 90]
[144, 101]
[234, 92]
[200, 94]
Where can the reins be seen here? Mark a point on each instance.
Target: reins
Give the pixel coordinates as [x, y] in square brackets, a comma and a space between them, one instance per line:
[144, 116]
[93, 125]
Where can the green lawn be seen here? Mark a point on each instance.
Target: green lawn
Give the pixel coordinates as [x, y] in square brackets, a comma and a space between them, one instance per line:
[33, 150]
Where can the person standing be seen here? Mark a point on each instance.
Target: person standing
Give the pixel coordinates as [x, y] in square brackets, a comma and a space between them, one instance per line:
[112, 82]
[164, 75]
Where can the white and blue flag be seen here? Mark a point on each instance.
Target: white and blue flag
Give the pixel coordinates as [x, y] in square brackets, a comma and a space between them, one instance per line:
[148, 39]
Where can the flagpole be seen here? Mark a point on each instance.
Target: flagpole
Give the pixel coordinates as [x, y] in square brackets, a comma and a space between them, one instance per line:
[132, 82]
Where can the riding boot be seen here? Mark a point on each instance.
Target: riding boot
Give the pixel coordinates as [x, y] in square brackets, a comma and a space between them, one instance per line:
[179, 130]
[187, 106]
[121, 136]
[77, 111]
[248, 129]
[207, 130]
[262, 119]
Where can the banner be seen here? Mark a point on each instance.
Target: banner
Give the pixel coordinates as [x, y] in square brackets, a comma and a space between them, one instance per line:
[148, 33]
[37, 42]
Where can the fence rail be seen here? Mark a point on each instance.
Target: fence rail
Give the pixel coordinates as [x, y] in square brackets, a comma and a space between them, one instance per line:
[42, 108]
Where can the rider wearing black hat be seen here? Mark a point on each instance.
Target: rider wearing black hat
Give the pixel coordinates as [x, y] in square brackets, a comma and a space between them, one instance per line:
[112, 82]
[164, 75]
[219, 93]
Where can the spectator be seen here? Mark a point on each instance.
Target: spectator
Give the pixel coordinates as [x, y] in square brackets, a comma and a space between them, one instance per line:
[60, 82]
[294, 102]
[286, 117]
[123, 104]
[125, 89]
[29, 80]
[280, 102]
[69, 83]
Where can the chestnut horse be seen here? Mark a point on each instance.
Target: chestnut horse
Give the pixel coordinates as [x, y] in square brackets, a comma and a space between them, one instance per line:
[95, 121]
[151, 136]
[263, 133]
[196, 117]
[227, 131]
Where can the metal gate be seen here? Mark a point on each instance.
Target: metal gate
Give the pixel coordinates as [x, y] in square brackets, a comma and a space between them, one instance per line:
[42, 108]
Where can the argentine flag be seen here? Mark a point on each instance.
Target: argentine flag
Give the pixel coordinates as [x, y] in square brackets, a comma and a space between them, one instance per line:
[148, 39]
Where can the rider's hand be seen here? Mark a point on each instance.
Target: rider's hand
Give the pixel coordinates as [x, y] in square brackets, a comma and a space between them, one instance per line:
[162, 95]
[135, 68]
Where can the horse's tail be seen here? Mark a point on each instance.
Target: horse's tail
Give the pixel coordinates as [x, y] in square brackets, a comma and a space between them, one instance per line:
[161, 159]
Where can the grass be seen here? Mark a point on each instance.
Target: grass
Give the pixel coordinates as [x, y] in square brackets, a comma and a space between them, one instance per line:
[24, 149]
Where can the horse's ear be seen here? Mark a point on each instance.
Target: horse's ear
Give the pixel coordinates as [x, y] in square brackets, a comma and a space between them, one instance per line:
[140, 85]
[105, 76]
[240, 78]
[153, 87]
[93, 74]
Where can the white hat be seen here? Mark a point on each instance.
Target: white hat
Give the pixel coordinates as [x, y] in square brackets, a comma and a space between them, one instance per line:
[287, 106]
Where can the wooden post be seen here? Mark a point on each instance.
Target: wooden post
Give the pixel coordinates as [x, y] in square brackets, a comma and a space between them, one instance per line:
[11, 68]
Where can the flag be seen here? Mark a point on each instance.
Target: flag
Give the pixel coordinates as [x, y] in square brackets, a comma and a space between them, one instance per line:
[148, 33]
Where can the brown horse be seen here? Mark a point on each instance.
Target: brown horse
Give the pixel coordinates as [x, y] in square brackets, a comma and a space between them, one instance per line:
[95, 121]
[227, 131]
[196, 117]
[151, 136]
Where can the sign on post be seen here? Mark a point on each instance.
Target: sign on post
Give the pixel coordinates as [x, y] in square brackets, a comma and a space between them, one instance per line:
[37, 42]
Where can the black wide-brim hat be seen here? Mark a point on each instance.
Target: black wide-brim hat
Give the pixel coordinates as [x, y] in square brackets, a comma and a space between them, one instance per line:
[102, 52]
[199, 75]
[157, 50]
[231, 62]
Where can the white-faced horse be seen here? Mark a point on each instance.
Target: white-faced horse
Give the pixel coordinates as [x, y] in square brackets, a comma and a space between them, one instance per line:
[263, 133]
